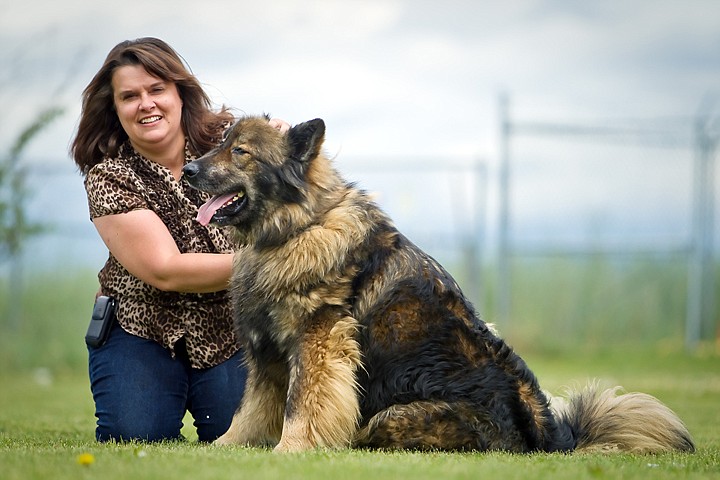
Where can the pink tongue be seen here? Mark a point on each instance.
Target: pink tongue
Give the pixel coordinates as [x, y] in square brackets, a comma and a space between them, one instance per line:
[208, 209]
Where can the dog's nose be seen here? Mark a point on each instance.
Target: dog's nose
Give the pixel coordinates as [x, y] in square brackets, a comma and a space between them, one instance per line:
[190, 170]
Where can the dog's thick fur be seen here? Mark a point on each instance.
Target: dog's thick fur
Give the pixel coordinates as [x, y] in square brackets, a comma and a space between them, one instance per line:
[353, 336]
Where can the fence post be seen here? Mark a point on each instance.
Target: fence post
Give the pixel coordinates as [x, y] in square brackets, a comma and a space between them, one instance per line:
[504, 247]
[474, 249]
[701, 272]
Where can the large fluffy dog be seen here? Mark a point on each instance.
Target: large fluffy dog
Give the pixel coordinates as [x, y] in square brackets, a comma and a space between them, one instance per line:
[355, 337]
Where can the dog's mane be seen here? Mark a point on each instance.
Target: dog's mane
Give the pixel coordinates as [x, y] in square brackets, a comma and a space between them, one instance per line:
[303, 242]
[324, 190]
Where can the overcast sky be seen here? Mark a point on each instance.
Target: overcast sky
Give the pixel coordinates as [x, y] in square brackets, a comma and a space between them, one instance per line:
[389, 77]
[400, 76]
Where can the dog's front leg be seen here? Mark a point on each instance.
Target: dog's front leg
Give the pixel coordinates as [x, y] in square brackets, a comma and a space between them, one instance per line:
[258, 420]
[322, 407]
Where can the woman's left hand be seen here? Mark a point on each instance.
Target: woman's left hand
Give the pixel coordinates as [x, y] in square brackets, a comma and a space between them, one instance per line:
[280, 124]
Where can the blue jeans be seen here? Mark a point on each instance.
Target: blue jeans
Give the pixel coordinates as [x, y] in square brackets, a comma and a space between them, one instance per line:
[142, 393]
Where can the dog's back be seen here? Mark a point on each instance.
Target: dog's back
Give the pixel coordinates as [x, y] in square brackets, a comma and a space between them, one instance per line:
[434, 376]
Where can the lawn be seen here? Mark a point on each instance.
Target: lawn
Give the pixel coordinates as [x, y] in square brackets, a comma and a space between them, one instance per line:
[587, 323]
[46, 426]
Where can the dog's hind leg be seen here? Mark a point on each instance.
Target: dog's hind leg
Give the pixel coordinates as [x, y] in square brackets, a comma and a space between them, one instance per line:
[258, 420]
[437, 425]
[322, 405]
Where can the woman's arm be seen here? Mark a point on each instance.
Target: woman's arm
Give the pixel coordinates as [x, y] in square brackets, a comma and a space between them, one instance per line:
[142, 244]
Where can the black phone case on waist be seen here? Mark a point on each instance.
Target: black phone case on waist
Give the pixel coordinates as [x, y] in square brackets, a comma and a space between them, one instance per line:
[102, 319]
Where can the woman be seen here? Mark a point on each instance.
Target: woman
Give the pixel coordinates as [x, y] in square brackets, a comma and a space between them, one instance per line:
[172, 348]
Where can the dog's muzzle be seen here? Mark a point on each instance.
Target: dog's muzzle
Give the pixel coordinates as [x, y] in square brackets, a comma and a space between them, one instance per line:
[190, 170]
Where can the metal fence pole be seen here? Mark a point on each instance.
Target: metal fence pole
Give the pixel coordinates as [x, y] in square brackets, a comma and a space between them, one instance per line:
[504, 247]
[474, 248]
[701, 272]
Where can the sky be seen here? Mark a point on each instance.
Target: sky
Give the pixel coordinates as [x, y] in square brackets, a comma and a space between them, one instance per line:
[401, 79]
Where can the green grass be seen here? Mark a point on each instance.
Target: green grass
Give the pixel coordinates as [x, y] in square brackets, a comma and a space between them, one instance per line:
[599, 301]
[571, 322]
[47, 422]
[55, 310]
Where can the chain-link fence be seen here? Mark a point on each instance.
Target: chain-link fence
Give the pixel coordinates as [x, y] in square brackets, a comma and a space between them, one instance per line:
[593, 230]
[628, 191]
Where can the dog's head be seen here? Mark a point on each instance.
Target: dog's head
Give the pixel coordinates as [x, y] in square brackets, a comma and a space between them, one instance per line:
[255, 171]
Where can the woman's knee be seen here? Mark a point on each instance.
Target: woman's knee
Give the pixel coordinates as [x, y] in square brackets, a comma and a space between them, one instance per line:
[215, 395]
[139, 391]
[136, 429]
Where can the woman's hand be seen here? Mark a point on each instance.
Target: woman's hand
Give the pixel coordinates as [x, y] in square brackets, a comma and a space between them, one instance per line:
[280, 124]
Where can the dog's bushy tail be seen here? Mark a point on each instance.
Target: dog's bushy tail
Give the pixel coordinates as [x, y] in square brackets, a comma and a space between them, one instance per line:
[603, 420]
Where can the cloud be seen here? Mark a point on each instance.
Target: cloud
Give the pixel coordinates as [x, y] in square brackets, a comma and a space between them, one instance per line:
[409, 79]
[382, 59]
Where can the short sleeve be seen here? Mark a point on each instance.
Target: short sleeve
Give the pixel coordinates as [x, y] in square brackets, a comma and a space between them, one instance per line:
[112, 187]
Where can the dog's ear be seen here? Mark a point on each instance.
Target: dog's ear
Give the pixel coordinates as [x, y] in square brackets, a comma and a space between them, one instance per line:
[304, 142]
[306, 139]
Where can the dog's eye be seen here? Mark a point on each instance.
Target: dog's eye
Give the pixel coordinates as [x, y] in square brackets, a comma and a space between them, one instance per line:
[239, 151]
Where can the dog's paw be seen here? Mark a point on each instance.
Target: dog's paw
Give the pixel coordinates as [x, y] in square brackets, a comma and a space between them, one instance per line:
[289, 446]
[224, 440]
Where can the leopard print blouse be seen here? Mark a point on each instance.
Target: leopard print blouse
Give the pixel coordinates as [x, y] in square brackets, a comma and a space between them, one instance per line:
[131, 182]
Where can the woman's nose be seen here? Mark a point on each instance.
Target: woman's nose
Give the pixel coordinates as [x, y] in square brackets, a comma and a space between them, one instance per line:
[146, 103]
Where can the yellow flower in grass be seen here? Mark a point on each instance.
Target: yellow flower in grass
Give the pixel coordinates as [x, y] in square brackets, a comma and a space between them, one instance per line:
[86, 459]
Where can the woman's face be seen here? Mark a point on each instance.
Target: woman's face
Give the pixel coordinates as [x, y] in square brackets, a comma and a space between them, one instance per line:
[149, 110]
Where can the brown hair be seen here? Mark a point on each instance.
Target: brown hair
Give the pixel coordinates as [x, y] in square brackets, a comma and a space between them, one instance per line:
[99, 131]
